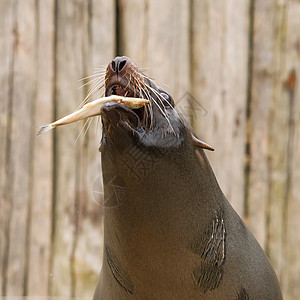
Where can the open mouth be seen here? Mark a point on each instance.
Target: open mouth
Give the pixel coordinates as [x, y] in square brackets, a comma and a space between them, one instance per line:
[120, 90]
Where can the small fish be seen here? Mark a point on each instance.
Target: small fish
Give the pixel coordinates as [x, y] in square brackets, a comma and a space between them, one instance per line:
[92, 109]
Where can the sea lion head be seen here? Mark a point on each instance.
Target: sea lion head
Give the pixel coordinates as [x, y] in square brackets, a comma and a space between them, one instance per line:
[124, 78]
[154, 130]
[155, 122]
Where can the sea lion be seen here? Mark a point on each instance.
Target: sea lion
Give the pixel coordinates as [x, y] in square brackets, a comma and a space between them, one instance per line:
[169, 231]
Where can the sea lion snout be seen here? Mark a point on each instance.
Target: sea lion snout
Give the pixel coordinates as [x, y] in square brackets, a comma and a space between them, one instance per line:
[124, 78]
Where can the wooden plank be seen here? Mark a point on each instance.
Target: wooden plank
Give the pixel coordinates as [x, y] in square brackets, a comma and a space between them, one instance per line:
[262, 92]
[155, 34]
[68, 68]
[291, 275]
[40, 233]
[20, 154]
[7, 39]
[277, 131]
[133, 30]
[99, 49]
[219, 84]
[268, 127]
[78, 224]
[273, 207]
[103, 39]
[169, 41]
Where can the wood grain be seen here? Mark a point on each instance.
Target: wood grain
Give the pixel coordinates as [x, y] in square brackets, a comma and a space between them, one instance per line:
[99, 47]
[69, 68]
[164, 38]
[7, 46]
[273, 208]
[219, 85]
[41, 184]
[77, 221]
[278, 128]
[20, 157]
[291, 209]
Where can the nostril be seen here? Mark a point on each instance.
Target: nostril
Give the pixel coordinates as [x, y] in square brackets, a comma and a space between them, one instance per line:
[113, 66]
[121, 65]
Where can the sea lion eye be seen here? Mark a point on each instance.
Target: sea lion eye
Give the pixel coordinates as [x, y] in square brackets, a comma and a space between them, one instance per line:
[165, 95]
[168, 100]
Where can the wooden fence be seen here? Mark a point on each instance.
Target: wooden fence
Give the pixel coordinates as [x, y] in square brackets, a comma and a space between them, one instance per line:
[235, 62]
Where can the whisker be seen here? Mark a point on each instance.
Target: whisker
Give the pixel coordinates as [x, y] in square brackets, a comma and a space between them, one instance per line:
[95, 74]
[94, 88]
[145, 76]
[161, 101]
[97, 86]
[154, 79]
[98, 123]
[137, 84]
[172, 107]
[101, 67]
[129, 81]
[92, 80]
[81, 130]
[141, 83]
[87, 128]
[144, 69]
[148, 97]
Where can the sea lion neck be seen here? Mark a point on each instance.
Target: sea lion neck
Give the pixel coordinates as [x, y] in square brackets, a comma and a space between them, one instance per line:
[145, 228]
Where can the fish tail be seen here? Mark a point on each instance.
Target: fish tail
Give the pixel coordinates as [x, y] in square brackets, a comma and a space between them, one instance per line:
[44, 129]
